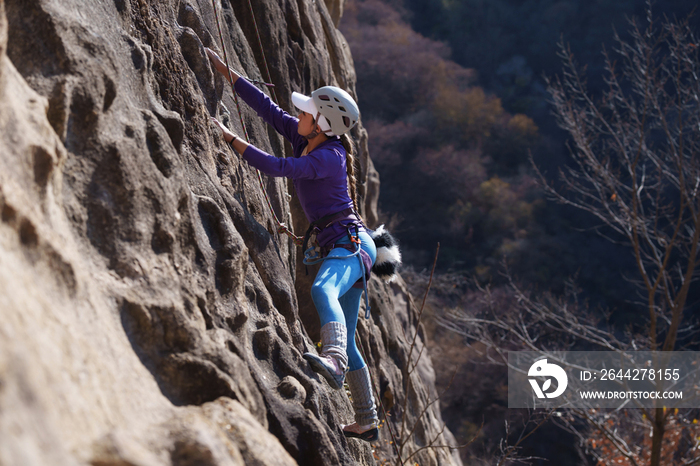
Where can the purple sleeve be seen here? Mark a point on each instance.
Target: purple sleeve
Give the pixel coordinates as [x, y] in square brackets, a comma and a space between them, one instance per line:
[318, 164]
[283, 122]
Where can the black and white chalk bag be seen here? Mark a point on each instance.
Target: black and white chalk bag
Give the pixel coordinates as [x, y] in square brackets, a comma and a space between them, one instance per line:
[388, 254]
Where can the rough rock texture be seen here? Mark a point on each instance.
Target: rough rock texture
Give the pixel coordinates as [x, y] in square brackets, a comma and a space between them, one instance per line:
[149, 312]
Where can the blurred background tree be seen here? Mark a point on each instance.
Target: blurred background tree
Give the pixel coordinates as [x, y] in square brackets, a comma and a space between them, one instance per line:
[441, 143]
[454, 96]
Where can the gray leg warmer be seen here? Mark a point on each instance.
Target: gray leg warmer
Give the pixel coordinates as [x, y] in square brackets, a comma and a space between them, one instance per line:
[362, 398]
[334, 337]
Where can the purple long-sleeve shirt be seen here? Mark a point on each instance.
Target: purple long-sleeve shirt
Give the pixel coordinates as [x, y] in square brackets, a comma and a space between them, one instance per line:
[320, 177]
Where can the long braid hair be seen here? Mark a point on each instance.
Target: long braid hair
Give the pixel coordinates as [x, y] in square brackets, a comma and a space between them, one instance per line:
[350, 165]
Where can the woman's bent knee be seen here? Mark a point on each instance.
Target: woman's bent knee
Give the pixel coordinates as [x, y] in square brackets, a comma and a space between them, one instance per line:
[319, 295]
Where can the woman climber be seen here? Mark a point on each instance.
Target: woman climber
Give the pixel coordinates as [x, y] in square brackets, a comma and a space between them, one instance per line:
[323, 173]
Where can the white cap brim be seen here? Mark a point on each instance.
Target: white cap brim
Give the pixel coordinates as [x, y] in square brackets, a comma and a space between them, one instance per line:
[304, 103]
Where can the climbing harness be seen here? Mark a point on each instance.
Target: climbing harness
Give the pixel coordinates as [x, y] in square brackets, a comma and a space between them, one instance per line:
[282, 228]
[314, 254]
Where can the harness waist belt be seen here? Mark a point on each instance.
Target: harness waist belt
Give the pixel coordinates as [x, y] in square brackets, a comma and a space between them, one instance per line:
[326, 221]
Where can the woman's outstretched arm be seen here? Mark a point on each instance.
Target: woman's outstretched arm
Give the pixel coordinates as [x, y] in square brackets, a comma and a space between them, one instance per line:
[232, 139]
[283, 122]
[316, 165]
[221, 67]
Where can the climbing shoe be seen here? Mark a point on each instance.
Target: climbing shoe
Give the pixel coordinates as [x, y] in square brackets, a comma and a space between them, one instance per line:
[325, 367]
[370, 435]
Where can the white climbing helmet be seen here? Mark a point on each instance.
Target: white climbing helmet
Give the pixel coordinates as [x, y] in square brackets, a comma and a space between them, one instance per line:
[337, 107]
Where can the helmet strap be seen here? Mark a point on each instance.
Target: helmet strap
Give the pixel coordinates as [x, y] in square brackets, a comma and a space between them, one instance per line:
[316, 131]
[312, 134]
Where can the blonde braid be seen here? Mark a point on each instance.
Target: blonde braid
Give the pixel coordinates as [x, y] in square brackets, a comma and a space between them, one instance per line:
[350, 165]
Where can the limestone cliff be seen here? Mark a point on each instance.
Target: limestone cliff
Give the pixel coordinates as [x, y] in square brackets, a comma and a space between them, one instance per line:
[150, 314]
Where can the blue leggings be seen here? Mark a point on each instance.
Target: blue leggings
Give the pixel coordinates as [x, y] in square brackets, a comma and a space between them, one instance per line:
[335, 298]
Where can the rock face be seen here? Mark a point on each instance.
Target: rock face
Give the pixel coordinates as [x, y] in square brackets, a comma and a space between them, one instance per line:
[150, 313]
